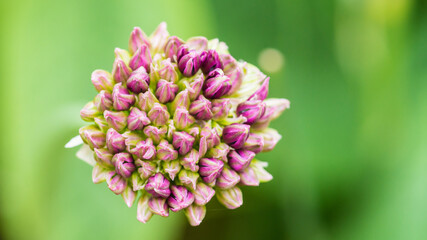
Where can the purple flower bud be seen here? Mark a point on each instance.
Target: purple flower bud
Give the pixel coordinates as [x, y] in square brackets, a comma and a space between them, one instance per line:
[220, 108]
[203, 194]
[182, 118]
[240, 159]
[159, 37]
[89, 112]
[219, 152]
[143, 212]
[137, 39]
[172, 168]
[235, 134]
[190, 160]
[155, 133]
[158, 186]
[251, 110]
[228, 178]
[158, 206]
[210, 169]
[144, 149]
[131, 139]
[180, 198]
[201, 108]
[103, 101]
[233, 71]
[145, 168]
[122, 99]
[116, 182]
[195, 87]
[181, 100]
[92, 136]
[102, 80]
[141, 58]
[262, 92]
[165, 151]
[121, 71]
[116, 120]
[171, 47]
[216, 84]
[137, 182]
[188, 178]
[183, 142]
[146, 101]
[274, 108]
[101, 123]
[254, 143]
[271, 138]
[197, 43]
[138, 81]
[231, 198]
[103, 157]
[188, 61]
[248, 177]
[99, 174]
[137, 119]
[166, 91]
[115, 141]
[210, 61]
[210, 135]
[123, 162]
[129, 196]
[195, 214]
[158, 114]
[167, 71]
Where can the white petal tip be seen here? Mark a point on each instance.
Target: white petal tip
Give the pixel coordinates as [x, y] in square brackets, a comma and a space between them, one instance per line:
[74, 142]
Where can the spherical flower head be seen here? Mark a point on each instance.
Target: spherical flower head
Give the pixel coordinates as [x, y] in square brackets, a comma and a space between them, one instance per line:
[178, 122]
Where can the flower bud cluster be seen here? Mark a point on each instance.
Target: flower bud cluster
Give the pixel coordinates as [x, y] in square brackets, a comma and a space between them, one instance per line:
[178, 122]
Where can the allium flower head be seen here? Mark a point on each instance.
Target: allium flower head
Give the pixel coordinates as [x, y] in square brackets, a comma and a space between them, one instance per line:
[177, 122]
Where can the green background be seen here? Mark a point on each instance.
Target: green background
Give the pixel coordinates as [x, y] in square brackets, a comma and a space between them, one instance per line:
[352, 163]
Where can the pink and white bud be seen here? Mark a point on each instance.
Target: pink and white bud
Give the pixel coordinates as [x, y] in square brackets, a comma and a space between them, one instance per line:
[172, 46]
[141, 58]
[195, 86]
[188, 178]
[122, 54]
[197, 43]
[165, 151]
[274, 109]
[137, 182]
[115, 141]
[167, 71]
[129, 196]
[262, 92]
[159, 38]
[123, 163]
[92, 136]
[172, 168]
[166, 91]
[103, 157]
[102, 80]
[137, 39]
[116, 182]
[235, 135]
[210, 61]
[231, 198]
[103, 101]
[144, 149]
[158, 186]
[101, 123]
[146, 169]
[183, 142]
[158, 114]
[121, 71]
[89, 112]
[143, 212]
[271, 138]
[261, 173]
[99, 174]
[146, 100]
[190, 161]
[252, 110]
[180, 198]
[240, 159]
[137, 119]
[203, 194]
[220, 108]
[138, 81]
[171, 129]
[232, 70]
[116, 120]
[248, 177]
[188, 61]
[131, 139]
[195, 214]
[210, 135]
[228, 178]
[155, 133]
[122, 99]
[254, 143]
[201, 109]
[182, 118]
[217, 84]
[158, 206]
[210, 169]
[219, 152]
[181, 100]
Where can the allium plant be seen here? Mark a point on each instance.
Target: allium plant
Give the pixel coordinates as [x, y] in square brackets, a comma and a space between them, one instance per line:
[176, 123]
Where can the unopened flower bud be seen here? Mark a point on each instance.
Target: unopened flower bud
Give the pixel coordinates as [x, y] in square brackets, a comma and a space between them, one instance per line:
[146, 169]
[180, 198]
[197, 43]
[201, 108]
[183, 142]
[203, 194]
[228, 178]
[167, 71]
[248, 177]
[103, 157]
[138, 81]
[89, 112]
[210, 169]
[155, 133]
[137, 182]
[171, 129]
[195, 214]
[182, 118]
[116, 182]
[233, 71]
[261, 173]
[216, 84]
[220, 108]
[131, 139]
[137, 119]
[210, 135]
[158, 186]
[210, 61]
[188, 61]
[271, 138]
[102, 80]
[165, 151]
[141, 58]
[235, 135]
[166, 91]
[188, 178]
[251, 110]
[123, 162]
[159, 37]
[274, 107]
[101, 123]
[99, 174]
[231, 198]
[144, 149]
[240, 159]
[143, 212]
[146, 101]
[92, 136]
[219, 152]
[115, 141]
[137, 39]
[122, 54]
[195, 86]
[190, 161]
[254, 143]
[103, 101]
[122, 99]
[121, 71]
[171, 47]
[116, 120]
[158, 206]
[172, 168]
[181, 100]
[129, 196]
[262, 92]
[158, 114]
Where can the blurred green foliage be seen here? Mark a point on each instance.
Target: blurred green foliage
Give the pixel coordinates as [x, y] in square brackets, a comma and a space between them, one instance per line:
[353, 160]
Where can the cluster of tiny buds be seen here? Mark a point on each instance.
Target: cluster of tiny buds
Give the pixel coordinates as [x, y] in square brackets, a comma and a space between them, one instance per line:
[177, 122]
